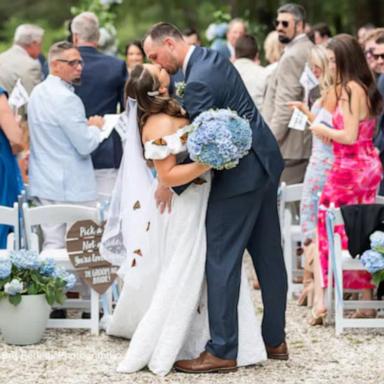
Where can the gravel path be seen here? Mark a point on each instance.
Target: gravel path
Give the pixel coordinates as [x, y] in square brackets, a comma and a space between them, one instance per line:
[316, 356]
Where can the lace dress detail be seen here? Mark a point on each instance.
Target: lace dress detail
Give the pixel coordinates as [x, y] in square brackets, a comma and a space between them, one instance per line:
[163, 304]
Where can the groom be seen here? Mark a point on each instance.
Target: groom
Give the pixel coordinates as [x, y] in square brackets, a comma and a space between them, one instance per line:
[242, 207]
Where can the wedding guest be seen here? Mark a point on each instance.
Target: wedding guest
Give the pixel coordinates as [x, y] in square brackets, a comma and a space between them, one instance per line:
[273, 50]
[61, 139]
[363, 31]
[191, 36]
[10, 177]
[236, 28]
[247, 64]
[369, 44]
[319, 165]
[134, 54]
[378, 55]
[321, 34]
[356, 171]
[102, 92]
[284, 86]
[21, 60]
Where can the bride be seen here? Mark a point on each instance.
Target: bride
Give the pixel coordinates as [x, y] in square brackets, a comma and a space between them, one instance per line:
[163, 304]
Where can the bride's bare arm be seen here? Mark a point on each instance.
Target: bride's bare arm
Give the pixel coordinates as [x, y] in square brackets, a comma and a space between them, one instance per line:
[169, 173]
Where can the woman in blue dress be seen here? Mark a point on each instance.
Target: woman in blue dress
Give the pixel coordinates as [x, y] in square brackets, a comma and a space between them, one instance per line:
[10, 177]
[319, 164]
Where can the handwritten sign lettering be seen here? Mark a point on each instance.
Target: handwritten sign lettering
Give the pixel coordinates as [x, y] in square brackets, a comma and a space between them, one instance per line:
[83, 242]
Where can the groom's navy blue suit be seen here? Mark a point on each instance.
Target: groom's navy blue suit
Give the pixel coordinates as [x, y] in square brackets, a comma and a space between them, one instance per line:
[242, 209]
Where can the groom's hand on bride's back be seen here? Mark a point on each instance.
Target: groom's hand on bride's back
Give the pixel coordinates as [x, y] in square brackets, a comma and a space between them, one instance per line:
[163, 197]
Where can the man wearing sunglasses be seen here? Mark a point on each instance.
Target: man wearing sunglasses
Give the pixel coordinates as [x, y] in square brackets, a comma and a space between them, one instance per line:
[378, 55]
[62, 139]
[284, 86]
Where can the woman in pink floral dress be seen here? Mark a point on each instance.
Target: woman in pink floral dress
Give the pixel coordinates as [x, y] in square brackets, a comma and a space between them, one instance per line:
[356, 172]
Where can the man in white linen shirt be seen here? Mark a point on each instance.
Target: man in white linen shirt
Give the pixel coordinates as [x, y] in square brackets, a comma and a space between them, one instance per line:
[254, 75]
[62, 139]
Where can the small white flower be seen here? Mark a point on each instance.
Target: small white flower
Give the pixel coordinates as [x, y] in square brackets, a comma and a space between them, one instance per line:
[180, 88]
[14, 287]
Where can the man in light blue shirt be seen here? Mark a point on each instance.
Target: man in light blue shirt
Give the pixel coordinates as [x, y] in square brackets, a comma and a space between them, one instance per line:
[62, 139]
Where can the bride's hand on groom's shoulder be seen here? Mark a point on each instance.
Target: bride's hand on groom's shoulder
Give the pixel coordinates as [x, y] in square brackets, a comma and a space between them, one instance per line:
[163, 197]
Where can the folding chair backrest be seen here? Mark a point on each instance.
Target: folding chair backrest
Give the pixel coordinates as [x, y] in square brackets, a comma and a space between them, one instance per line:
[56, 214]
[293, 193]
[288, 194]
[379, 199]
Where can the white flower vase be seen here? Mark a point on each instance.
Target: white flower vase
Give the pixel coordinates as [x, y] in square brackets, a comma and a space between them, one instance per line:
[24, 323]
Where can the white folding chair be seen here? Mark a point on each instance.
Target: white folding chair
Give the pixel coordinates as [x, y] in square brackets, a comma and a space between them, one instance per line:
[340, 260]
[63, 214]
[291, 233]
[10, 216]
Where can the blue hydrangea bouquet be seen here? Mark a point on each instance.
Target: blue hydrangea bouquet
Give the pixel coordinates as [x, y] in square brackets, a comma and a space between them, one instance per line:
[373, 259]
[23, 273]
[219, 138]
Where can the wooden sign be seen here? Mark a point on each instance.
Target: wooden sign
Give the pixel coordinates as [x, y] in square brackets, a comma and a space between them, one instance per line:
[83, 243]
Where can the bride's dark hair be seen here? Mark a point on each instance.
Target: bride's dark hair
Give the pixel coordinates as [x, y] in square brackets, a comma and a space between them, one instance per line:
[143, 86]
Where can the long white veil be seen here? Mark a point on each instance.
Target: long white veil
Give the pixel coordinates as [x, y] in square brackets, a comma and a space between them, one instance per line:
[125, 239]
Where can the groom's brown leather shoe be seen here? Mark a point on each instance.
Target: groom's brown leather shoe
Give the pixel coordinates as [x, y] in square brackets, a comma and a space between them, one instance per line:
[206, 363]
[278, 353]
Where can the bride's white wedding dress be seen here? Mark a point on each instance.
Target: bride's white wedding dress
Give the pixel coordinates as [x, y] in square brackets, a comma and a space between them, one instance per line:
[163, 304]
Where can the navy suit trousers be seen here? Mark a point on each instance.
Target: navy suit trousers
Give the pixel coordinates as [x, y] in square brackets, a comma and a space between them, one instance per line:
[248, 221]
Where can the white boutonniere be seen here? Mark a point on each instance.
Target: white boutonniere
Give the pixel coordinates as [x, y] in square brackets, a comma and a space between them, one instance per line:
[180, 88]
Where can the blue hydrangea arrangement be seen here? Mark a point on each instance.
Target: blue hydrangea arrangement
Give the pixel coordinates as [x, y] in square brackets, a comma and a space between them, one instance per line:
[219, 138]
[373, 259]
[23, 273]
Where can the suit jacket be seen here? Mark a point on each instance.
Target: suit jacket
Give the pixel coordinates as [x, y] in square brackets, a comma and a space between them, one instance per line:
[284, 86]
[101, 90]
[206, 89]
[61, 143]
[254, 77]
[15, 63]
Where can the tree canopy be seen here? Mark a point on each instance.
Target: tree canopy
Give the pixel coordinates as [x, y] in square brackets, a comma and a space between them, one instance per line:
[133, 17]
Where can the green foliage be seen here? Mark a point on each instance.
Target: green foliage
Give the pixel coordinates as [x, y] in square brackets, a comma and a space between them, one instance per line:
[378, 277]
[51, 34]
[105, 12]
[15, 300]
[222, 15]
[25, 274]
[133, 17]
[35, 284]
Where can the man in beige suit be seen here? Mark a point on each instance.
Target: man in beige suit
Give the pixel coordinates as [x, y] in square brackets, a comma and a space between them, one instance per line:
[20, 61]
[284, 86]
